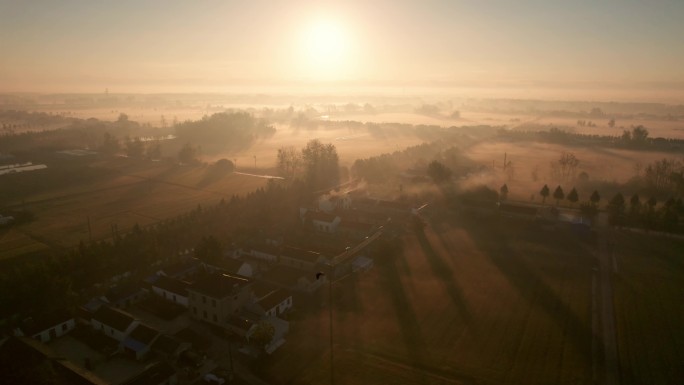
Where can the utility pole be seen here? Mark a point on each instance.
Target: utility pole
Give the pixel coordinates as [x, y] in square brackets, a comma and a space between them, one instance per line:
[254, 162]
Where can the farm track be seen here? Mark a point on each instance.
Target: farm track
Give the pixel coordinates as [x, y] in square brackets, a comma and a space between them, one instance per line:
[611, 360]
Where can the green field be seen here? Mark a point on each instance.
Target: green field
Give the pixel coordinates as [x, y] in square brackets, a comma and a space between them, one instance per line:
[649, 287]
[468, 301]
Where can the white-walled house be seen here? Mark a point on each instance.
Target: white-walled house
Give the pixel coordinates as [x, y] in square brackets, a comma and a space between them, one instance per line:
[113, 323]
[270, 300]
[171, 289]
[321, 221]
[46, 329]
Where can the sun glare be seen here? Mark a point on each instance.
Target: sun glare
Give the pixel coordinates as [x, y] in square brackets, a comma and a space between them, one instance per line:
[326, 51]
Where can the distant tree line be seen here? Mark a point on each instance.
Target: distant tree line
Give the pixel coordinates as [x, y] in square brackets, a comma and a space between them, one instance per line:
[636, 139]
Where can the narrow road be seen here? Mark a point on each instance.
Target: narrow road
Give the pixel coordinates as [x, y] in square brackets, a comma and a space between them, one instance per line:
[611, 362]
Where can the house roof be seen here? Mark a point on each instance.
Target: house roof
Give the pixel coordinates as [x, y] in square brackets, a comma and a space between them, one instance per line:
[262, 289]
[121, 293]
[300, 254]
[320, 216]
[219, 285]
[242, 323]
[167, 344]
[172, 285]
[144, 333]
[35, 325]
[181, 268]
[287, 276]
[230, 265]
[156, 373]
[265, 249]
[114, 318]
[274, 299]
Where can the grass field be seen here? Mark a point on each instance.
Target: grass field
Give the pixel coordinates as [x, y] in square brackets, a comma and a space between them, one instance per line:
[648, 289]
[138, 192]
[466, 302]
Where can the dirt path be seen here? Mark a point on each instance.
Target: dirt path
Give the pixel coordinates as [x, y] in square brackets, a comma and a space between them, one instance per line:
[611, 361]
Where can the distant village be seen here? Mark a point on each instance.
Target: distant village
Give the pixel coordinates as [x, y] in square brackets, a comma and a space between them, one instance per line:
[186, 322]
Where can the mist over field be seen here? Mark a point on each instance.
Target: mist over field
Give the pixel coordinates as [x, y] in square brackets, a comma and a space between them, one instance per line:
[437, 192]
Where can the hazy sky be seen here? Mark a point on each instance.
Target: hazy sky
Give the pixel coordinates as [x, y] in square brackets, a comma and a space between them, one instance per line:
[144, 45]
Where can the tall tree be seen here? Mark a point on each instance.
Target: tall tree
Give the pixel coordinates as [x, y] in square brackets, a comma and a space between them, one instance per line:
[188, 154]
[573, 197]
[558, 194]
[288, 161]
[544, 192]
[209, 249]
[595, 198]
[321, 164]
[503, 192]
[438, 172]
[616, 209]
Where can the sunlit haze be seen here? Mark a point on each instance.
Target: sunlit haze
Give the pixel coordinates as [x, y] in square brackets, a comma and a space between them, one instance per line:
[611, 46]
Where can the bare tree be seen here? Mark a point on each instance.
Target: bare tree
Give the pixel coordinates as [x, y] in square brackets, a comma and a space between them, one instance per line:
[565, 168]
[289, 161]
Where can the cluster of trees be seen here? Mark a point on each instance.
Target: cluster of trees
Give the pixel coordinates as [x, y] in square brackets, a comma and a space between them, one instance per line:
[665, 176]
[565, 168]
[225, 131]
[559, 194]
[636, 213]
[132, 147]
[378, 169]
[318, 162]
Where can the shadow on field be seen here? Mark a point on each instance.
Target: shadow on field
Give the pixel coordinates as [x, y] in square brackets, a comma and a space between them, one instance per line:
[442, 271]
[406, 316]
[494, 242]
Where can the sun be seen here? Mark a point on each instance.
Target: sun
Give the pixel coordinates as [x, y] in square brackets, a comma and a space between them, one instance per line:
[326, 50]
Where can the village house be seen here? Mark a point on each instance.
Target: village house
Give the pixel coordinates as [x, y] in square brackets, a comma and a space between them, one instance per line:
[333, 202]
[215, 297]
[264, 252]
[301, 259]
[113, 322]
[123, 296]
[270, 300]
[353, 229]
[321, 221]
[169, 347]
[139, 341]
[181, 270]
[46, 328]
[171, 289]
[231, 266]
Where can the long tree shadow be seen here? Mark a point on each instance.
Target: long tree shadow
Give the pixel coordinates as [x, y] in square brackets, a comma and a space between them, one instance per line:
[442, 271]
[496, 245]
[406, 316]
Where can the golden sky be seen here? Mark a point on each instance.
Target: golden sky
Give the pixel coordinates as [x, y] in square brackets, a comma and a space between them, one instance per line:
[77, 46]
